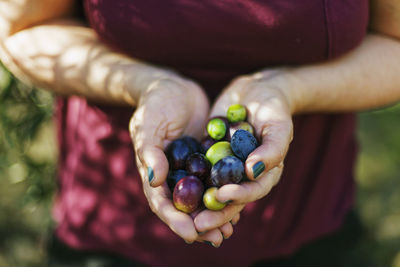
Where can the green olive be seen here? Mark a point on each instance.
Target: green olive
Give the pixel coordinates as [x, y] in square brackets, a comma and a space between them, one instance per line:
[219, 151]
[210, 200]
[244, 125]
[236, 112]
[216, 128]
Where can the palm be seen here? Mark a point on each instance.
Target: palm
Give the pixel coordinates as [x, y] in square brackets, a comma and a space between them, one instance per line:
[166, 111]
[270, 114]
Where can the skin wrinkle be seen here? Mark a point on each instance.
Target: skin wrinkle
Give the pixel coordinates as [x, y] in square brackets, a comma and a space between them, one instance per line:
[13, 64]
[167, 128]
[267, 137]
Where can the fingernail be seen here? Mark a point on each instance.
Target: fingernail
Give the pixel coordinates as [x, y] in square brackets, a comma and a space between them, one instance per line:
[258, 168]
[225, 237]
[150, 173]
[187, 242]
[210, 243]
[233, 223]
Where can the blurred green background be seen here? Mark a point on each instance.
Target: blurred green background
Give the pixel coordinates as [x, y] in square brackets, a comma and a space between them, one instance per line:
[28, 159]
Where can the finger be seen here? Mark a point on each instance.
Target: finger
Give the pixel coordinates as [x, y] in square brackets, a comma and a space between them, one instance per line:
[273, 124]
[213, 237]
[157, 165]
[179, 222]
[276, 138]
[148, 138]
[209, 219]
[249, 191]
[235, 219]
[226, 230]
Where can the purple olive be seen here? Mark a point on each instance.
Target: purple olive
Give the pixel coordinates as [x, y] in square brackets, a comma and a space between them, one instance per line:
[174, 177]
[198, 165]
[206, 143]
[229, 170]
[193, 144]
[188, 194]
[177, 152]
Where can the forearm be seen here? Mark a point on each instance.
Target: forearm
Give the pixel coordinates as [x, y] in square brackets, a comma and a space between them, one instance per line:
[368, 77]
[16, 15]
[68, 58]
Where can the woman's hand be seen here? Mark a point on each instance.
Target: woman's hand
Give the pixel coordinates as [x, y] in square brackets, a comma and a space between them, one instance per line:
[168, 109]
[270, 112]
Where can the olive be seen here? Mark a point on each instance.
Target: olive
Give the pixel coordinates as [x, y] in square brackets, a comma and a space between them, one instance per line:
[210, 200]
[218, 151]
[236, 112]
[216, 128]
[244, 125]
[193, 144]
[229, 170]
[198, 165]
[179, 150]
[243, 143]
[206, 143]
[188, 194]
[174, 177]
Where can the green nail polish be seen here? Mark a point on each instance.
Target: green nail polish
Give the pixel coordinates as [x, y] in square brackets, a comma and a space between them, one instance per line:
[150, 173]
[210, 243]
[258, 168]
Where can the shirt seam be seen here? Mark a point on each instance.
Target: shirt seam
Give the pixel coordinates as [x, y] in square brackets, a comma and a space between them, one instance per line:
[328, 30]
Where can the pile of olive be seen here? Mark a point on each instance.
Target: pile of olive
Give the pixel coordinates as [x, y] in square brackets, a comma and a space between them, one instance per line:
[216, 161]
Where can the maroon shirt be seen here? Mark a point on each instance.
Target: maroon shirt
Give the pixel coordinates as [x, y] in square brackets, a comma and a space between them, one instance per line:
[100, 204]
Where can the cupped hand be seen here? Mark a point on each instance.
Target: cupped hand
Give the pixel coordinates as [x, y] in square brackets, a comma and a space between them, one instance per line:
[270, 112]
[167, 110]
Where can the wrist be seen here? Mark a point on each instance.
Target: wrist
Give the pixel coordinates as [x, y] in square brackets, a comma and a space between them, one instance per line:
[283, 80]
[139, 79]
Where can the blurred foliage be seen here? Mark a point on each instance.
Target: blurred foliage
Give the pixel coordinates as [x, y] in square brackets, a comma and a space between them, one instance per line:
[378, 177]
[27, 167]
[28, 159]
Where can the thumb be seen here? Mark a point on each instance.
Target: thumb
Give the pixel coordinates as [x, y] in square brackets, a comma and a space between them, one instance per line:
[276, 138]
[156, 162]
[149, 147]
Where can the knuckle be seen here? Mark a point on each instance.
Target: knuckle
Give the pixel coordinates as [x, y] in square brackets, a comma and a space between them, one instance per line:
[139, 153]
[240, 78]
[132, 126]
[226, 216]
[237, 217]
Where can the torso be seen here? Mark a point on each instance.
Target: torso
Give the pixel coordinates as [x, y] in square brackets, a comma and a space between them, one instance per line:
[101, 205]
